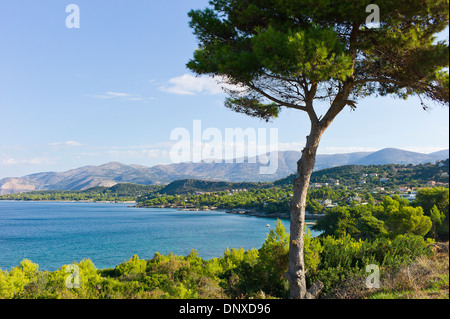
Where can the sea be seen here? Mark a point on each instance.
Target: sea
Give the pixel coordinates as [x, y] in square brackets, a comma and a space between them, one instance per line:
[54, 234]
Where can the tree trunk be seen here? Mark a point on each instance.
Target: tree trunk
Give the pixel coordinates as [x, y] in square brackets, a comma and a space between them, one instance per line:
[296, 273]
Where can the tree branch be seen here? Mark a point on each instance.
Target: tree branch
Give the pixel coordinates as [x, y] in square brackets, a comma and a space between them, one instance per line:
[274, 99]
[341, 99]
[310, 96]
[362, 81]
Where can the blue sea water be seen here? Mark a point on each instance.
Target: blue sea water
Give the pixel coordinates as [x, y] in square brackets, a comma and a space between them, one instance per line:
[53, 234]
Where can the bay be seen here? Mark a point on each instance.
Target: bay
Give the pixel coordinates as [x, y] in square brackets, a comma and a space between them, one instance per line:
[53, 234]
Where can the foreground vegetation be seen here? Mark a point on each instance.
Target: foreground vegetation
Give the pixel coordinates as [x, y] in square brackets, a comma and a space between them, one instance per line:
[381, 229]
[239, 273]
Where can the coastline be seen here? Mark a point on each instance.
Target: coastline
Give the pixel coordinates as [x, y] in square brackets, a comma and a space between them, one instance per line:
[238, 211]
[310, 218]
[71, 201]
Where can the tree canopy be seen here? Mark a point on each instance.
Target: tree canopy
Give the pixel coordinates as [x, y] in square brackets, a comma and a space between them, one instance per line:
[286, 53]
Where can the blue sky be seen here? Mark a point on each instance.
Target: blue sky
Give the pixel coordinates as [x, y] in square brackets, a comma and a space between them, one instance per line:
[115, 89]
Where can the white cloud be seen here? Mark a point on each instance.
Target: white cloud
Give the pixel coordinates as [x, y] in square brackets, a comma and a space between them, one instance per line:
[355, 149]
[9, 161]
[110, 95]
[293, 146]
[137, 99]
[132, 152]
[346, 149]
[66, 143]
[123, 96]
[140, 154]
[188, 84]
[424, 149]
[117, 94]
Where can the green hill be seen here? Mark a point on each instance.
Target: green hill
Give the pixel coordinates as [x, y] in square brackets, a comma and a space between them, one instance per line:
[119, 192]
[193, 186]
[390, 176]
[397, 175]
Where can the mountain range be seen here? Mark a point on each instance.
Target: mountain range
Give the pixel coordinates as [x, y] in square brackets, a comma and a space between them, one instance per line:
[246, 170]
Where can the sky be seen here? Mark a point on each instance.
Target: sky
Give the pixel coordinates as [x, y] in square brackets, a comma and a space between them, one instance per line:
[117, 87]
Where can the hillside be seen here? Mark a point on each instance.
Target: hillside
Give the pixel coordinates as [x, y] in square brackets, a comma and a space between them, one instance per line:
[119, 192]
[247, 170]
[352, 175]
[194, 186]
[396, 156]
[267, 197]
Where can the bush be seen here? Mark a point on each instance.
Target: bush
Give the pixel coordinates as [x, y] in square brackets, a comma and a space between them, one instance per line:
[134, 266]
[237, 274]
[341, 258]
[14, 282]
[392, 217]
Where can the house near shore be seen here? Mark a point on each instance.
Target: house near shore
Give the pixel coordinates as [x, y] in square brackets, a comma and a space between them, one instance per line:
[411, 196]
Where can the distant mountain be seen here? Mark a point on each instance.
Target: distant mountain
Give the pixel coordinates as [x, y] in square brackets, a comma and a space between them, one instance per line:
[335, 160]
[78, 179]
[396, 156]
[241, 170]
[440, 155]
[244, 170]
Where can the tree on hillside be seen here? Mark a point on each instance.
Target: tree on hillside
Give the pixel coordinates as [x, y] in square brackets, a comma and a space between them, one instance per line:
[401, 218]
[436, 217]
[298, 53]
[429, 198]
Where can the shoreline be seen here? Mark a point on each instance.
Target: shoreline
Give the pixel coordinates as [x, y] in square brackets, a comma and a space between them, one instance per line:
[312, 218]
[308, 217]
[70, 201]
[238, 211]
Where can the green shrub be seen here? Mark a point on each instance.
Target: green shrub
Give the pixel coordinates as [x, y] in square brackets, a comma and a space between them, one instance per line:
[134, 266]
[238, 273]
[346, 256]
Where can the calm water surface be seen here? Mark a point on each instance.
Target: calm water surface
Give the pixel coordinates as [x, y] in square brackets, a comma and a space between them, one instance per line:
[54, 234]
